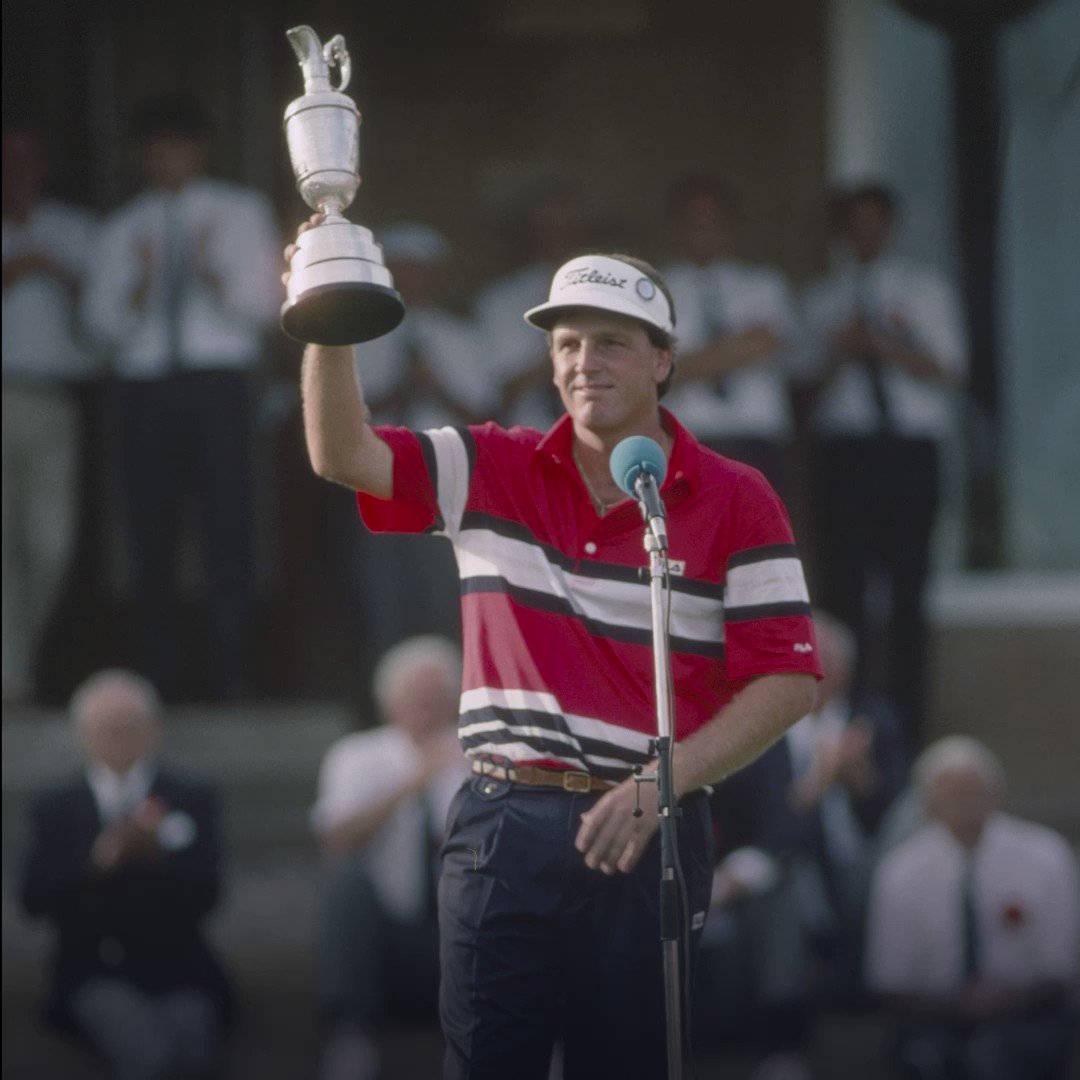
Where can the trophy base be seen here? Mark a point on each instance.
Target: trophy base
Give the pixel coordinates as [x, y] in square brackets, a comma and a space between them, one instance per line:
[342, 313]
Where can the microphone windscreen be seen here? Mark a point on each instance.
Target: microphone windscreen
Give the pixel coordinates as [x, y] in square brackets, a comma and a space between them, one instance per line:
[633, 456]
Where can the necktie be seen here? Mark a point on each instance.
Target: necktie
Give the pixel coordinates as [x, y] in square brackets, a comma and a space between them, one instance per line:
[715, 324]
[174, 283]
[970, 921]
[864, 316]
[411, 405]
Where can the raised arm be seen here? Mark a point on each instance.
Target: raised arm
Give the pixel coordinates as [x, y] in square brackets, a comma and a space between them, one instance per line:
[341, 444]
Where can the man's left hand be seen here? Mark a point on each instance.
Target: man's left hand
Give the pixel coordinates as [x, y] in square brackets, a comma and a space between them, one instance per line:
[610, 837]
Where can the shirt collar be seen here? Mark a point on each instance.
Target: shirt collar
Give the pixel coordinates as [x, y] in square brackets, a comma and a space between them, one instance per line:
[557, 444]
[949, 842]
[118, 794]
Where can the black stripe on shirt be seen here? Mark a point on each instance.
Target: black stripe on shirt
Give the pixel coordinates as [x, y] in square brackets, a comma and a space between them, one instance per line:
[590, 568]
[760, 554]
[765, 611]
[558, 605]
[515, 530]
[428, 452]
[579, 745]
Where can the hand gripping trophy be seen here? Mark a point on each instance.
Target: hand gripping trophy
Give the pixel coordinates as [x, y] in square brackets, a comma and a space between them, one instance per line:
[340, 292]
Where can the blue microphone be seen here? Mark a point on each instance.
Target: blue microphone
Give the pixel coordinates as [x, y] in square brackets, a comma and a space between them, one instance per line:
[638, 466]
[633, 456]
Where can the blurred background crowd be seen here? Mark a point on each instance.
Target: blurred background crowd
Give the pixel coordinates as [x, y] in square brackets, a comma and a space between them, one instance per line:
[866, 212]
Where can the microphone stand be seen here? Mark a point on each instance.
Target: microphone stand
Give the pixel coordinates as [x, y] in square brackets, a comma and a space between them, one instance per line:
[656, 546]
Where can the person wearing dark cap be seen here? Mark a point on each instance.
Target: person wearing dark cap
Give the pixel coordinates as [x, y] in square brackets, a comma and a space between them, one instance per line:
[548, 900]
[182, 289]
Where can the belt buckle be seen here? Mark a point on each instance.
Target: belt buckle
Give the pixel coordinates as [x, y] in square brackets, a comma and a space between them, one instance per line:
[579, 782]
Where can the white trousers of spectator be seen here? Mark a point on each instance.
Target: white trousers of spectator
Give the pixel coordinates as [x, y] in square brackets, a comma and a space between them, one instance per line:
[146, 1037]
[41, 431]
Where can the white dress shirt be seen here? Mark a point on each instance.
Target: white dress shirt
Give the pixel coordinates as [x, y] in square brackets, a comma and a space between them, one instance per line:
[235, 229]
[117, 795]
[725, 298]
[39, 325]
[1026, 889]
[511, 345]
[451, 350]
[362, 770]
[897, 295]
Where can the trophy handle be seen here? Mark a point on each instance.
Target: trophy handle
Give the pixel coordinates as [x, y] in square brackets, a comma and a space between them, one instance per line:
[336, 55]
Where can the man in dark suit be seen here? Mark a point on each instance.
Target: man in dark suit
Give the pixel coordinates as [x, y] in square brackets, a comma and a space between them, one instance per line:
[124, 861]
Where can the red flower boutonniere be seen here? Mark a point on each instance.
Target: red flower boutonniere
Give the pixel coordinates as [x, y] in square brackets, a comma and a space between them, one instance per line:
[1013, 916]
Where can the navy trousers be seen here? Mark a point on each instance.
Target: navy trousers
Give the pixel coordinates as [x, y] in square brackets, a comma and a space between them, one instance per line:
[875, 504]
[536, 947]
[186, 438]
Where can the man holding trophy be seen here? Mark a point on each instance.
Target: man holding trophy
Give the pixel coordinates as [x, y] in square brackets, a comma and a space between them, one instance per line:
[548, 900]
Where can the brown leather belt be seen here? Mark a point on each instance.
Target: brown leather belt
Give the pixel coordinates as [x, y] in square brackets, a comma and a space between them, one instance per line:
[535, 776]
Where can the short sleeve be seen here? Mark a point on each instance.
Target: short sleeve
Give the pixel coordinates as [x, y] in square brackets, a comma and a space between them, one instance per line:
[431, 477]
[767, 623]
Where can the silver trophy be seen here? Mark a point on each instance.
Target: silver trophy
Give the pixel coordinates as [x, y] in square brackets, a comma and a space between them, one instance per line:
[340, 292]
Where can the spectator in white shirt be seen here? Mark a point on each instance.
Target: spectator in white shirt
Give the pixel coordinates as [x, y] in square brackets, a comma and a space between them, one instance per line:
[974, 929]
[183, 287]
[888, 348]
[737, 330]
[552, 229]
[46, 246]
[382, 802]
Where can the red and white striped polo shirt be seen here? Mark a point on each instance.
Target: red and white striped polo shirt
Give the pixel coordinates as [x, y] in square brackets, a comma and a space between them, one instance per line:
[555, 607]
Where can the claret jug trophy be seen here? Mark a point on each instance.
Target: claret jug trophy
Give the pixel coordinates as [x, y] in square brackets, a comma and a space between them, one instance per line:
[340, 291]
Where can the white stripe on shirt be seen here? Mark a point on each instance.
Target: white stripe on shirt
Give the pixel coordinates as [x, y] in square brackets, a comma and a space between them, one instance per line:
[770, 581]
[452, 463]
[524, 565]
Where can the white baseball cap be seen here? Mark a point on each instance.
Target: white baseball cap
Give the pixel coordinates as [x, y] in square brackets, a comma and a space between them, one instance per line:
[599, 281]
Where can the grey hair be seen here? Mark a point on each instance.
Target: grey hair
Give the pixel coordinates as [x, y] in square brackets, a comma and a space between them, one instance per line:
[398, 662]
[958, 753]
[142, 689]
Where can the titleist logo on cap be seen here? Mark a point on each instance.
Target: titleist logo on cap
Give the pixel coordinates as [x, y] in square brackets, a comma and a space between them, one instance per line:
[603, 283]
[579, 275]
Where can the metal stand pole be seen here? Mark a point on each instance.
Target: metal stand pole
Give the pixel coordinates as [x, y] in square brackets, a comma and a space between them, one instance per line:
[669, 886]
